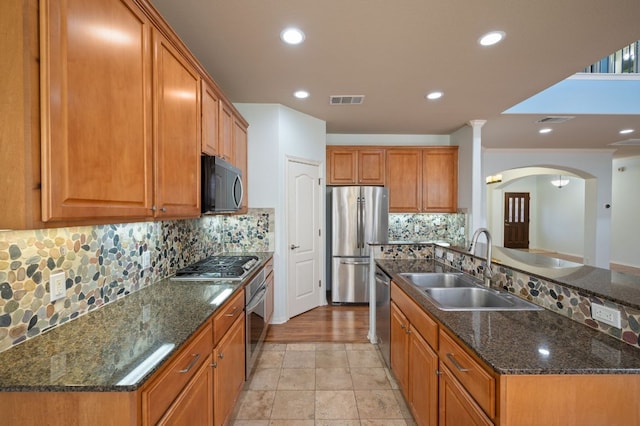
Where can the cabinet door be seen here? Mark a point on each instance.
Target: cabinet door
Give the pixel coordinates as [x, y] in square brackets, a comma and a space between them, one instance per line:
[225, 138]
[423, 380]
[210, 111]
[404, 180]
[240, 159]
[343, 166]
[440, 180]
[194, 406]
[457, 408]
[399, 347]
[228, 372]
[177, 138]
[96, 110]
[371, 167]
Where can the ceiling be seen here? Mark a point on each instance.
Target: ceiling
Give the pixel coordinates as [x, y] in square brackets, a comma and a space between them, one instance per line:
[394, 52]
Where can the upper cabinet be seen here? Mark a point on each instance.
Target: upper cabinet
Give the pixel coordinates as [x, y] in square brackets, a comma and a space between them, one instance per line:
[404, 180]
[225, 138]
[355, 166]
[96, 110]
[210, 122]
[423, 180]
[177, 132]
[105, 117]
[440, 179]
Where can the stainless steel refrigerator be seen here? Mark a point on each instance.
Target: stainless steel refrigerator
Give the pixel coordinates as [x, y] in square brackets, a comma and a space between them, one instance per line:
[358, 215]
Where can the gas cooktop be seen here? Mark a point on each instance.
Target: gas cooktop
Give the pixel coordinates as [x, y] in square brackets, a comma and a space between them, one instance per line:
[231, 268]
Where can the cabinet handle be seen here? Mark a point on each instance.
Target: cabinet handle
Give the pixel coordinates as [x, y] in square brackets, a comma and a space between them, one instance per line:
[164, 209]
[456, 364]
[233, 312]
[408, 331]
[195, 359]
[402, 326]
[438, 373]
[221, 355]
[154, 208]
[214, 364]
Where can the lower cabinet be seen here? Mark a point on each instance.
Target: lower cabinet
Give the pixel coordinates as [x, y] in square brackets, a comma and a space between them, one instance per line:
[415, 366]
[194, 405]
[457, 408]
[228, 372]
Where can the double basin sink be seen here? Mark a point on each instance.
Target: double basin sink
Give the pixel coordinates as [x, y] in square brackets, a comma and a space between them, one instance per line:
[453, 291]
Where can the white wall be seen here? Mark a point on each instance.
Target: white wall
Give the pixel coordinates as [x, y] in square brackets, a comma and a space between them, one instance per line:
[279, 132]
[625, 227]
[594, 166]
[560, 216]
[463, 139]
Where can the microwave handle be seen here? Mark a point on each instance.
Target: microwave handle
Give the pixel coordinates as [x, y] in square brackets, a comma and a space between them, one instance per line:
[239, 182]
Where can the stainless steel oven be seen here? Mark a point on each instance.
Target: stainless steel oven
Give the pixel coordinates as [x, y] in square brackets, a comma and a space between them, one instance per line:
[255, 320]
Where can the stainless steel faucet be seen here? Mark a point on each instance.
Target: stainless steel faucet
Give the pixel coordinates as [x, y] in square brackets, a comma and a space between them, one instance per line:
[488, 273]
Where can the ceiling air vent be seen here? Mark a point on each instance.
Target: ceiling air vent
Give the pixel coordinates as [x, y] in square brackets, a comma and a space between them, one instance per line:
[555, 119]
[346, 100]
[627, 142]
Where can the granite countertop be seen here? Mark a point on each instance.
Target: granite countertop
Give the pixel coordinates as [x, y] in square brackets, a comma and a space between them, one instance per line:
[96, 351]
[525, 342]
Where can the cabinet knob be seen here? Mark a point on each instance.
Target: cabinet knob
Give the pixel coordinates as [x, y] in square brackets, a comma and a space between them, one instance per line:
[154, 208]
[214, 364]
[164, 209]
[221, 355]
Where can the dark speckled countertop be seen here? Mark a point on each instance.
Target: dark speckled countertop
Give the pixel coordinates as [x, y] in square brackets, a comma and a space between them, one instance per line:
[95, 351]
[529, 342]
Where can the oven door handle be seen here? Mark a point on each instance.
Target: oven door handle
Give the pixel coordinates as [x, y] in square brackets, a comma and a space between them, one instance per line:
[256, 299]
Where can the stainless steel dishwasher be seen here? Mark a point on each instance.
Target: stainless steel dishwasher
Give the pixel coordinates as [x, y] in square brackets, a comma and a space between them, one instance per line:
[383, 314]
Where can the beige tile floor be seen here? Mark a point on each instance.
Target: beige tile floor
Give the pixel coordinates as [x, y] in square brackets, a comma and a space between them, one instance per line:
[321, 384]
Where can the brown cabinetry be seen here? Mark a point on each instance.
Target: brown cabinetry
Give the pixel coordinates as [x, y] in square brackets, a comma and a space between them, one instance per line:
[210, 125]
[96, 110]
[355, 166]
[404, 180]
[422, 179]
[177, 135]
[457, 408]
[228, 371]
[225, 138]
[413, 361]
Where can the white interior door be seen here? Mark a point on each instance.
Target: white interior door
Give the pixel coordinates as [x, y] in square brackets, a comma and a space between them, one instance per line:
[303, 236]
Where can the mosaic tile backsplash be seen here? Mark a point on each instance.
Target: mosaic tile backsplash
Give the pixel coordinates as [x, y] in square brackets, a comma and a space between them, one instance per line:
[428, 227]
[103, 263]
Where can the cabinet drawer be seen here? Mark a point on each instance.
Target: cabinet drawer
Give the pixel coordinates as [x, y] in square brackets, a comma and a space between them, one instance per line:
[167, 385]
[421, 321]
[227, 314]
[475, 379]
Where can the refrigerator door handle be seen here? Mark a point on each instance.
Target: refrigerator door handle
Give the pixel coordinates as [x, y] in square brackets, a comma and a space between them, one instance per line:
[358, 222]
[361, 213]
[354, 263]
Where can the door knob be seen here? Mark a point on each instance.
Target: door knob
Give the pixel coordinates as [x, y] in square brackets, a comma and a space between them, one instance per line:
[293, 247]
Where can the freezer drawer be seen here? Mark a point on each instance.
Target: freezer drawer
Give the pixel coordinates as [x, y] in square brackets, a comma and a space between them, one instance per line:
[350, 280]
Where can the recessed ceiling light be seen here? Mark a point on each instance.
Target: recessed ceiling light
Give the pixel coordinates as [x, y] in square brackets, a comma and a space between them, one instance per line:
[626, 131]
[292, 36]
[301, 94]
[489, 39]
[434, 95]
[545, 130]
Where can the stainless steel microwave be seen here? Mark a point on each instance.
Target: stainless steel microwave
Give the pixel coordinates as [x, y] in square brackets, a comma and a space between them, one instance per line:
[222, 190]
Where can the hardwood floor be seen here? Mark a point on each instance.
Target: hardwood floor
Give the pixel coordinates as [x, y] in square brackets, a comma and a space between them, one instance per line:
[338, 324]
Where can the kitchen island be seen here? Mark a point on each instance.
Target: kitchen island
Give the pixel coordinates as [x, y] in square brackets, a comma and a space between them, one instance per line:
[508, 368]
[102, 363]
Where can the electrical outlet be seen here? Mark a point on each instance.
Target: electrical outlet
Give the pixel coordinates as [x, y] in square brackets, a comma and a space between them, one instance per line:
[416, 228]
[606, 315]
[57, 288]
[146, 260]
[439, 253]
[450, 256]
